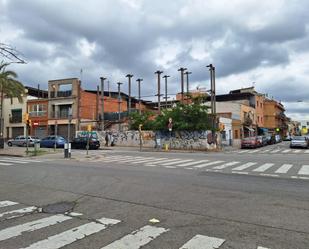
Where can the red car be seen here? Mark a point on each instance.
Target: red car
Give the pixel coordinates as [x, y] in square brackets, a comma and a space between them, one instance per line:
[250, 142]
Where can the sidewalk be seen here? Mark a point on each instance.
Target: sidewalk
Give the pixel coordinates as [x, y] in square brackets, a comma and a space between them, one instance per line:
[21, 151]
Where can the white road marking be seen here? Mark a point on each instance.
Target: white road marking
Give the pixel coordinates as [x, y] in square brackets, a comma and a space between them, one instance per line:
[7, 203]
[19, 212]
[208, 164]
[304, 170]
[203, 242]
[284, 168]
[32, 226]
[272, 175]
[144, 160]
[21, 160]
[306, 151]
[68, 237]
[260, 247]
[158, 160]
[265, 151]
[6, 164]
[296, 151]
[242, 151]
[137, 239]
[13, 161]
[192, 163]
[264, 167]
[244, 166]
[254, 151]
[240, 172]
[300, 177]
[170, 167]
[286, 151]
[175, 161]
[275, 151]
[225, 165]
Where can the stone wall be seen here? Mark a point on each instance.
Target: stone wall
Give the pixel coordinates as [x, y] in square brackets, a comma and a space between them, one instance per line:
[184, 140]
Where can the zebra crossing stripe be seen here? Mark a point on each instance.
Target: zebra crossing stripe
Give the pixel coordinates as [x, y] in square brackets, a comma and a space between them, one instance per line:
[263, 167]
[201, 241]
[175, 161]
[20, 160]
[296, 151]
[304, 170]
[260, 247]
[265, 151]
[253, 151]
[306, 151]
[286, 151]
[275, 151]
[6, 164]
[13, 161]
[284, 168]
[32, 226]
[192, 163]
[138, 238]
[7, 203]
[68, 237]
[244, 166]
[225, 165]
[144, 160]
[243, 151]
[208, 164]
[18, 212]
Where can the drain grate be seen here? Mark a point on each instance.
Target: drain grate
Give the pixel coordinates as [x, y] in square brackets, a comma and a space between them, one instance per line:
[58, 208]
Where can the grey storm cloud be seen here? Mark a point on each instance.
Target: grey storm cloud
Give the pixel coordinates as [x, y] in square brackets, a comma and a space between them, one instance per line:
[116, 37]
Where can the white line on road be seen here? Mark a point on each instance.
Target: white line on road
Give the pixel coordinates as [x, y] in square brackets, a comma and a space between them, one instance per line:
[19, 212]
[244, 166]
[175, 161]
[13, 161]
[296, 151]
[260, 247]
[68, 237]
[284, 168]
[138, 238]
[265, 151]
[225, 165]
[192, 163]
[264, 167]
[7, 203]
[306, 151]
[304, 170]
[242, 151]
[275, 151]
[254, 151]
[22, 160]
[203, 242]
[208, 164]
[286, 151]
[6, 164]
[32, 226]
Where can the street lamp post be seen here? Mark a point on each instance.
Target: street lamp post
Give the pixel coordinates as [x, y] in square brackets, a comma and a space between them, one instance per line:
[119, 104]
[187, 78]
[102, 102]
[212, 95]
[139, 95]
[129, 76]
[159, 89]
[165, 78]
[181, 70]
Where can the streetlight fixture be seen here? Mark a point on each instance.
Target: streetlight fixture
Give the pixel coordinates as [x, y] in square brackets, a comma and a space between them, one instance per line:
[187, 78]
[129, 76]
[165, 78]
[119, 104]
[181, 70]
[159, 89]
[102, 102]
[139, 95]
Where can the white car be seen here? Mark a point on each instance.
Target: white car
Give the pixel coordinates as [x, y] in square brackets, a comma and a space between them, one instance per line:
[22, 141]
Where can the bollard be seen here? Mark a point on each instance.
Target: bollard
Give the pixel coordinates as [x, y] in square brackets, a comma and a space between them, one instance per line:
[66, 150]
[166, 147]
[69, 150]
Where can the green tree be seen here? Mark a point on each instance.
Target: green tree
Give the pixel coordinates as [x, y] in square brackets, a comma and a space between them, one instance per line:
[10, 87]
[144, 119]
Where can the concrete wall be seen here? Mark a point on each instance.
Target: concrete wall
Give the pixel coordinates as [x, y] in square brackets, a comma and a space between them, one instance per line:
[178, 140]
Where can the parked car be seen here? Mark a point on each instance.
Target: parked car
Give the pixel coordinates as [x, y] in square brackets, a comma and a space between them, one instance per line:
[50, 141]
[299, 142]
[249, 142]
[287, 138]
[259, 141]
[81, 143]
[22, 141]
[265, 140]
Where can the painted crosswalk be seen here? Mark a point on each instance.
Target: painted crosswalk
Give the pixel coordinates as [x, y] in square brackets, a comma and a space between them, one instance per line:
[236, 167]
[10, 161]
[47, 233]
[271, 151]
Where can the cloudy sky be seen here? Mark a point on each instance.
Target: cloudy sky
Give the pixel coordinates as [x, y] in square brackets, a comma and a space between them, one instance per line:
[250, 42]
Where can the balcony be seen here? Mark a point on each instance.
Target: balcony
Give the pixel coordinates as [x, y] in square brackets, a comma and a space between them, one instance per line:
[38, 114]
[15, 120]
[65, 114]
[61, 94]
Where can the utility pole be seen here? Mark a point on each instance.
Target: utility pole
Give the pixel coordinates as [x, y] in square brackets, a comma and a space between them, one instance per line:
[187, 78]
[165, 78]
[102, 102]
[181, 70]
[119, 104]
[159, 90]
[139, 95]
[212, 96]
[129, 76]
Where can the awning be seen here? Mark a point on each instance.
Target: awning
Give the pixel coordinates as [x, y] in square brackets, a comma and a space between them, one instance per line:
[63, 103]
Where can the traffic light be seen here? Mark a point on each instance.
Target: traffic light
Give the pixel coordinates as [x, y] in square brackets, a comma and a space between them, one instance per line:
[26, 118]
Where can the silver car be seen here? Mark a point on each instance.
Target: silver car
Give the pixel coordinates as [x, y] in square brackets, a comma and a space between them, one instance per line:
[22, 141]
[299, 141]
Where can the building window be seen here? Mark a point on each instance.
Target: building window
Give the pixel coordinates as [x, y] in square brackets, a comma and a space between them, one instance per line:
[16, 116]
[37, 110]
[236, 134]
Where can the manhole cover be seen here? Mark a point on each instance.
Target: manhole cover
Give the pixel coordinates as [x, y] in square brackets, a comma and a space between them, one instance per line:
[58, 208]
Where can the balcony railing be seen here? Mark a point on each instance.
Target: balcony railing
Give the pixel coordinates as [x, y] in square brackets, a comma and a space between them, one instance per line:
[38, 114]
[14, 120]
[61, 114]
[61, 94]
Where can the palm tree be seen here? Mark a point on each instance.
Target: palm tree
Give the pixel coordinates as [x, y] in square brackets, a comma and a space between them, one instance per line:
[10, 87]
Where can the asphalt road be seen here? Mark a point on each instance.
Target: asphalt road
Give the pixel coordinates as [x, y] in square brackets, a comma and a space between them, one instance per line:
[250, 199]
